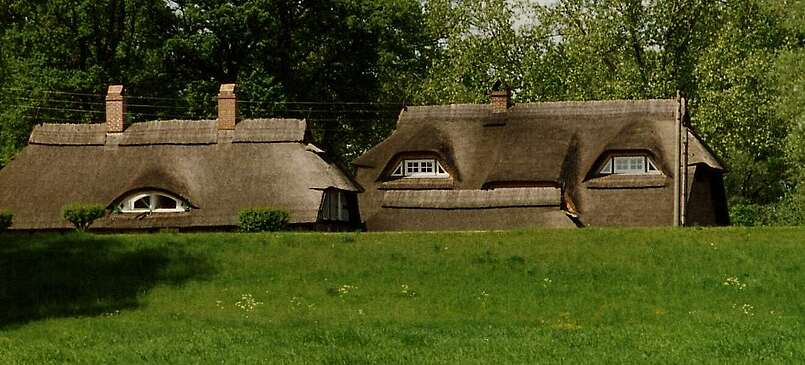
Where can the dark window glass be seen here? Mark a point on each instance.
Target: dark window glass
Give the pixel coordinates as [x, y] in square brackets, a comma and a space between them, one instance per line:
[164, 202]
[143, 203]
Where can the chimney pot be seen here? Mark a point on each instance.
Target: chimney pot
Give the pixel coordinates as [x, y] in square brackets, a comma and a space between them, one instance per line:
[227, 107]
[500, 98]
[115, 109]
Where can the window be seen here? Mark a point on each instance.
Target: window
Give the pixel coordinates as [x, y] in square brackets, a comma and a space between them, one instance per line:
[422, 168]
[335, 206]
[629, 165]
[152, 202]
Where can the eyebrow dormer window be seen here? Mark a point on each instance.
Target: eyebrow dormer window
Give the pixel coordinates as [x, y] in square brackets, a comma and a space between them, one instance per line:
[420, 168]
[629, 165]
[152, 202]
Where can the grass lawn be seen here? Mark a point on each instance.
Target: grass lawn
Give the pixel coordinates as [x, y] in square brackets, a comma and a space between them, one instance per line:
[538, 296]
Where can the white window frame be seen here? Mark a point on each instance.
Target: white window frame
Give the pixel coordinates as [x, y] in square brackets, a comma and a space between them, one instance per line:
[127, 205]
[413, 168]
[648, 167]
[338, 198]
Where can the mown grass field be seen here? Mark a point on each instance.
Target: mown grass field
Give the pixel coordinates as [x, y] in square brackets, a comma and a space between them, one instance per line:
[538, 296]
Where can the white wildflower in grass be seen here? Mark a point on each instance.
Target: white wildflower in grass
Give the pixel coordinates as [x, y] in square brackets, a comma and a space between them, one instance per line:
[247, 303]
[299, 304]
[734, 282]
[219, 304]
[112, 314]
[406, 291]
[360, 312]
[296, 302]
[746, 309]
[483, 295]
[345, 289]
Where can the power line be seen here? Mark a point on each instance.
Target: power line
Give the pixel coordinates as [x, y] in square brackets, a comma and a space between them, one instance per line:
[284, 102]
[60, 101]
[51, 92]
[159, 98]
[158, 106]
[60, 120]
[58, 109]
[317, 102]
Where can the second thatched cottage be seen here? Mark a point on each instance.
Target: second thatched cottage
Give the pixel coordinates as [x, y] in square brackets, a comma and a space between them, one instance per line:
[562, 164]
[183, 174]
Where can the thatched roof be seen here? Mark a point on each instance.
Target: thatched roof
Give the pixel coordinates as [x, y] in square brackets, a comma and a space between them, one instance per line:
[272, 167]
[69, 134]
[470, 199]
[541, 142]
[534, 164]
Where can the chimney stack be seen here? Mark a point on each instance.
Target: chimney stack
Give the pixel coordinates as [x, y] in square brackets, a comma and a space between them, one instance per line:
[227, 107]
[115, 109]
[500, 97]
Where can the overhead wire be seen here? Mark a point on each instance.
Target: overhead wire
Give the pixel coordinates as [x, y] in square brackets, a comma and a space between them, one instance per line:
[59, 101]
[32, 91]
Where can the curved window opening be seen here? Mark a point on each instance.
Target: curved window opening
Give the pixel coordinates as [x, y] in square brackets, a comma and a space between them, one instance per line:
[152, 202]
[420, 168]
[629, 165]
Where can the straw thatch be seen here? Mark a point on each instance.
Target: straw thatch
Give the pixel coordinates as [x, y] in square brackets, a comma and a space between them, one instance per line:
[276, 169]
[177, 132]
[469, 199]
[69, 134]
[559, 145]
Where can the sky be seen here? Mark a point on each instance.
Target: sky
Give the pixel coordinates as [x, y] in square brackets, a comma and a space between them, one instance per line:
[522, 19]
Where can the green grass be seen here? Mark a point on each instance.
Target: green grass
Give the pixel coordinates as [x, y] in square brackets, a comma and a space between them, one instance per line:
[542, 296]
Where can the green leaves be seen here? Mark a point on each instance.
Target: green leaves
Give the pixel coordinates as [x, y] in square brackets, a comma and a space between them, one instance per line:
[5, 219]
[262, 220]
[82, 215]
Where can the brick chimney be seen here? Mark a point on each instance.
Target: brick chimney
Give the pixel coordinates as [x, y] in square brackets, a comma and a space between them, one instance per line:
[500, 97]
[227, 107]
[115, 109]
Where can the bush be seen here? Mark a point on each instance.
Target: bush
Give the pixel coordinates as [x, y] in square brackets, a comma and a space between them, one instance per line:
[789, 211]
[262, 220]
[5, 219]
[742, 214]
[82, 215]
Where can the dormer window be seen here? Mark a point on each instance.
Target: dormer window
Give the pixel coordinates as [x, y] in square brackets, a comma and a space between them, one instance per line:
[152, 202]
[629, 165]
[420, 168]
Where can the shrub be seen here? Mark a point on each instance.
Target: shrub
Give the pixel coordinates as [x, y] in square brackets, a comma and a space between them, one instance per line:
[5, 219]
[261, 220]
[742, 214]
[82, 215]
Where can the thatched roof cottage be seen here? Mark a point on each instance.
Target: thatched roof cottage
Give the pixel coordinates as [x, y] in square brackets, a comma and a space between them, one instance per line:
[559, 164]
[177, 173]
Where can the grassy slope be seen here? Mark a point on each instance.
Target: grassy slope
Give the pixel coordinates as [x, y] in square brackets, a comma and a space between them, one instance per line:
[573, 296]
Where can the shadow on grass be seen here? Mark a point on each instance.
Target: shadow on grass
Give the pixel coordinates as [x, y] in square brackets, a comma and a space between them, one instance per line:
[47, 276]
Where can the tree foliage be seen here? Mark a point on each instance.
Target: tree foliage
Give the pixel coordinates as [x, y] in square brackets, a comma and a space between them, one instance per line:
[740, 63]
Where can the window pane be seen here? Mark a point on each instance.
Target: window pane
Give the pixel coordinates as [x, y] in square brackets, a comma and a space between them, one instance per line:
[621, 164]
[427, 166]
[636, 164]
[607, 169]
[143, 203]
[163, 202]
[343, 213]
